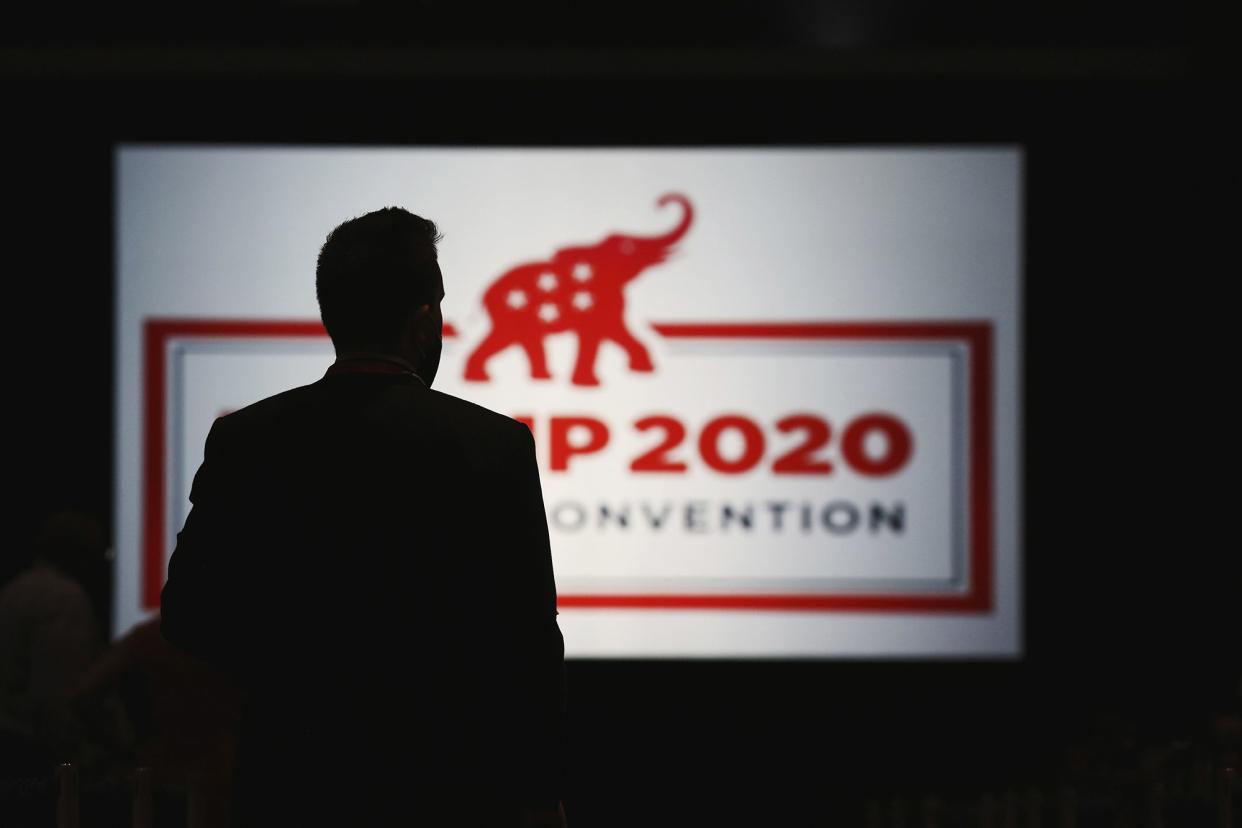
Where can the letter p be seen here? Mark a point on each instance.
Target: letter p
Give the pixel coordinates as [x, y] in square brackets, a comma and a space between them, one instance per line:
[589, 436]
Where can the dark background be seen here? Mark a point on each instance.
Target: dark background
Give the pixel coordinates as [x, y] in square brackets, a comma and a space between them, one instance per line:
[1130, 573]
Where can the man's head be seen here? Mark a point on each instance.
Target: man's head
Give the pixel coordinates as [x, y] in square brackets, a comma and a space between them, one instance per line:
[379, 287]
[74, 542]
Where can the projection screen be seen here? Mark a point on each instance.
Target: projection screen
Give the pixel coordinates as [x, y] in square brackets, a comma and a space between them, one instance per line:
[775, 392]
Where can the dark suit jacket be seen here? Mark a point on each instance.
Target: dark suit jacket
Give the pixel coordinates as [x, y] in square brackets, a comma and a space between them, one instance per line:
[370, 560]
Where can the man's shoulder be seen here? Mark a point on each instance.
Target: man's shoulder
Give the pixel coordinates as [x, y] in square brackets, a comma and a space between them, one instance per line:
[459, 414]
[268, 409]
[43, 590]
[474, 416]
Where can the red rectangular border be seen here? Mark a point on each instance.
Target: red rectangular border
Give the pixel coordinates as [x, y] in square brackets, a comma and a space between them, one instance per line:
[977, 336]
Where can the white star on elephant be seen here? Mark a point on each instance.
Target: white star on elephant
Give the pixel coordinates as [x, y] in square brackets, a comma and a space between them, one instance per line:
[547, 282]
[516, 299]
[582, 272]
[548, 312]
[582, 300]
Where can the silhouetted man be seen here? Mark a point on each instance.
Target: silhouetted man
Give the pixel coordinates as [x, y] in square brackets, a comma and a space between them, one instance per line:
[370, 559]
[49, 635]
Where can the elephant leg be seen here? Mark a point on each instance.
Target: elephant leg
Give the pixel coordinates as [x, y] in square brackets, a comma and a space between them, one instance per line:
[476, 365]
[640, 358]
[584, 368]
[533, 346]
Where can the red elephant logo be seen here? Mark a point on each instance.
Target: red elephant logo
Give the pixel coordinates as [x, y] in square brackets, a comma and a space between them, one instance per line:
[580, 289]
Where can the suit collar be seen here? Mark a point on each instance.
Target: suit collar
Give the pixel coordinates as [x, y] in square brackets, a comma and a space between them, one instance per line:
[358, 363]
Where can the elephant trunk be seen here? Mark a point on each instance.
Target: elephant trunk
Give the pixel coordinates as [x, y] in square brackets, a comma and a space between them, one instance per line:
[687, 216]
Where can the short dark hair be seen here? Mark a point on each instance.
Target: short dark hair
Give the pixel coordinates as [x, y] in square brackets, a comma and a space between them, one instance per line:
[372, 271]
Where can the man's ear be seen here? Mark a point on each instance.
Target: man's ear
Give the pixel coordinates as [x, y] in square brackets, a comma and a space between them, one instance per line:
[413, 322]
[421, 312]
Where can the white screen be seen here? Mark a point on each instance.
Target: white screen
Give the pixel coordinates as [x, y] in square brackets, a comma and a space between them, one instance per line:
[829, 353]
